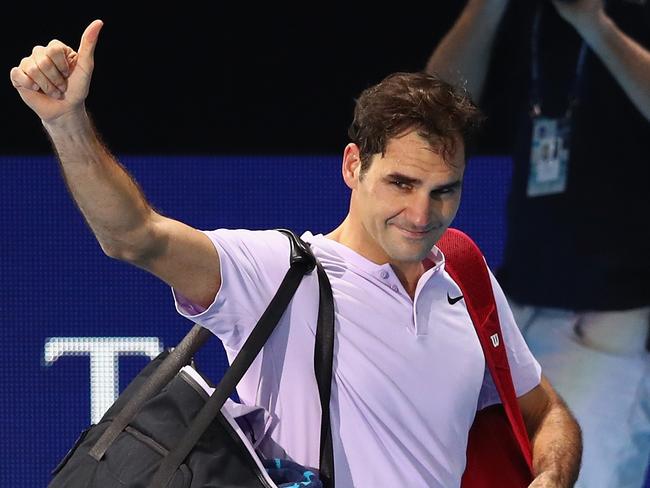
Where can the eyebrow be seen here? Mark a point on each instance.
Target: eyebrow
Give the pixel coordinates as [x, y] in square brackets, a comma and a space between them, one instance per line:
[415, 181]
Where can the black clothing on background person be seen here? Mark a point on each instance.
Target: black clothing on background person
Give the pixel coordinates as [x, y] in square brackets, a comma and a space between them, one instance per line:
[587, 247]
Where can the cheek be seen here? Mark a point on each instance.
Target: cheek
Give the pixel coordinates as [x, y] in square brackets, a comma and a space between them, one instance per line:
[450, 208]
[383, 203]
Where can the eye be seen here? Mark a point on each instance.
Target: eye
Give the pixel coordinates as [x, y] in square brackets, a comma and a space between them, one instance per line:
[444, 191]
[401, 185]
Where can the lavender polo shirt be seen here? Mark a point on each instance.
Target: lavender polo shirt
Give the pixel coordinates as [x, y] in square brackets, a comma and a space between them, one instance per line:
[409, 375]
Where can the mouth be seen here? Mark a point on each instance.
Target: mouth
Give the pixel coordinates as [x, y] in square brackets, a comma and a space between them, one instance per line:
[412, 234]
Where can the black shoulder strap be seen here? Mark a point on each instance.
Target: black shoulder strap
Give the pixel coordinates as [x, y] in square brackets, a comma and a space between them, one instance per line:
[323, 363]
[302, 262]
[177, 358]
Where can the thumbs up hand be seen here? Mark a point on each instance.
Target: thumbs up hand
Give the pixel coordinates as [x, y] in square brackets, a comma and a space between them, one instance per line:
[55, 79]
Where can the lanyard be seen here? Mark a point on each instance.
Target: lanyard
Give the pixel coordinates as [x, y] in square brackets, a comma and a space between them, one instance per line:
[536, 72]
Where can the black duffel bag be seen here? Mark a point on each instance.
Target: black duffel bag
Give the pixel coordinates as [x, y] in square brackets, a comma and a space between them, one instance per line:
[164, 431]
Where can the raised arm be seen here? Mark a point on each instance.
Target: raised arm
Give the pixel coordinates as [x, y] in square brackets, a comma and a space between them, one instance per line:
[626, 60]
[54, 82]
[554, 435]
[463, 55]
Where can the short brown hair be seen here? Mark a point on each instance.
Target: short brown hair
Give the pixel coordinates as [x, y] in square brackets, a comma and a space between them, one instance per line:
[406, 101]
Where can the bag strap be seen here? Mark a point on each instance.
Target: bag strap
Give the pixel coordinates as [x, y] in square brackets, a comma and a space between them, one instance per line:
[301, 262]
[323, 363]
[177, 358]
[465, 264]
[323, 354]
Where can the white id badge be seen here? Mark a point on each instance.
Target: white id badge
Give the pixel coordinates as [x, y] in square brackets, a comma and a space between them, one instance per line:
[549, 156]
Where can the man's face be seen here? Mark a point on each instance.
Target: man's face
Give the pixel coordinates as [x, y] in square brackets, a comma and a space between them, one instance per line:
[406, 200]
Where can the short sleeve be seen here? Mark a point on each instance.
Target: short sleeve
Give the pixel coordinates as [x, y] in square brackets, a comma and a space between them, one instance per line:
[524, 368]
[252, 266]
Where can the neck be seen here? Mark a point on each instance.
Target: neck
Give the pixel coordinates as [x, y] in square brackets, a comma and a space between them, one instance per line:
[409, 281]
[347, 233]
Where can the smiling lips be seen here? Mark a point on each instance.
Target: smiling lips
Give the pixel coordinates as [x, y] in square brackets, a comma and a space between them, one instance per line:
[413, 234]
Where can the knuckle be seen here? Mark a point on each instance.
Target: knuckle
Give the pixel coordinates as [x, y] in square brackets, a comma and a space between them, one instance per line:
[37, 49]
[55, 48]
[32, 70]
[46, 66]
[42, 63]
[14, 74]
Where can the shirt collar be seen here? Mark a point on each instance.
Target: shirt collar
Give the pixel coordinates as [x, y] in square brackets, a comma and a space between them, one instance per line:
[355, 259]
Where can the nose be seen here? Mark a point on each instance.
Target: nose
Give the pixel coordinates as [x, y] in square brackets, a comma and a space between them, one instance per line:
[420, 212]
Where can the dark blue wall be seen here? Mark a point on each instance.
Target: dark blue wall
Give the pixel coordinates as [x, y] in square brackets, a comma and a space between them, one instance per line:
[56, 282]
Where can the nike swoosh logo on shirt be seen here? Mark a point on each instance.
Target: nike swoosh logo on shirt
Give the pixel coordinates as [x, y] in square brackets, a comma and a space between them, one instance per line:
[453, 300]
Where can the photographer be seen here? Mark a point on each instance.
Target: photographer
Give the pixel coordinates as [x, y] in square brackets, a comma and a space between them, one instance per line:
[568, 84]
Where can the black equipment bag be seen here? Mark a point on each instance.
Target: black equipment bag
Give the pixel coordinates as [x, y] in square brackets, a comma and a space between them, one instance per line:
[164, 432]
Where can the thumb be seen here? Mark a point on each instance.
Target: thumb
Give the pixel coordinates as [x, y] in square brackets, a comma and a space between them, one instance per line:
[89, 41]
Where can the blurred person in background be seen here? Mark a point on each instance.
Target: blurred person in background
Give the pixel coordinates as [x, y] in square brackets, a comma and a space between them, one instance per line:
[569, 82]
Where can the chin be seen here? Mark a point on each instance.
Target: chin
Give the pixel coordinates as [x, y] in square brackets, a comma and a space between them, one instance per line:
[411, 256]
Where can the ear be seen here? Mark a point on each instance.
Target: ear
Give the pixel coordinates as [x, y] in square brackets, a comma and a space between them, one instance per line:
[351, 165]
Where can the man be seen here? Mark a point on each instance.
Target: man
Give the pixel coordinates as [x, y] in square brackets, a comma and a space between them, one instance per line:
[572, 89]
[408, 368]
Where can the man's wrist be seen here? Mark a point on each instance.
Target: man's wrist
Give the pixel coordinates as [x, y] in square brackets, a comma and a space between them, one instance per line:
[594, 28]
[551, 478]
[75, 121]
[491, 11]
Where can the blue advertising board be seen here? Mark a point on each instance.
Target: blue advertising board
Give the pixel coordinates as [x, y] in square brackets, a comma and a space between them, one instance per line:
[77, 325]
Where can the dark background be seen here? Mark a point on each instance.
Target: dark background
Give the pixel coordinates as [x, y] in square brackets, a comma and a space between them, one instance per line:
[223, 79]
[186, 79]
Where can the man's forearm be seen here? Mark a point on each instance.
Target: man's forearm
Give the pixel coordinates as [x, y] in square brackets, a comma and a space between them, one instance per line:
[109, 199]
[625, 59]
[463, 55]
[557, 447]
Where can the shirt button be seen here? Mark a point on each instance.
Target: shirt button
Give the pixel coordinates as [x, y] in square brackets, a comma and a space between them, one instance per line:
[394, 287]
[384, 274]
